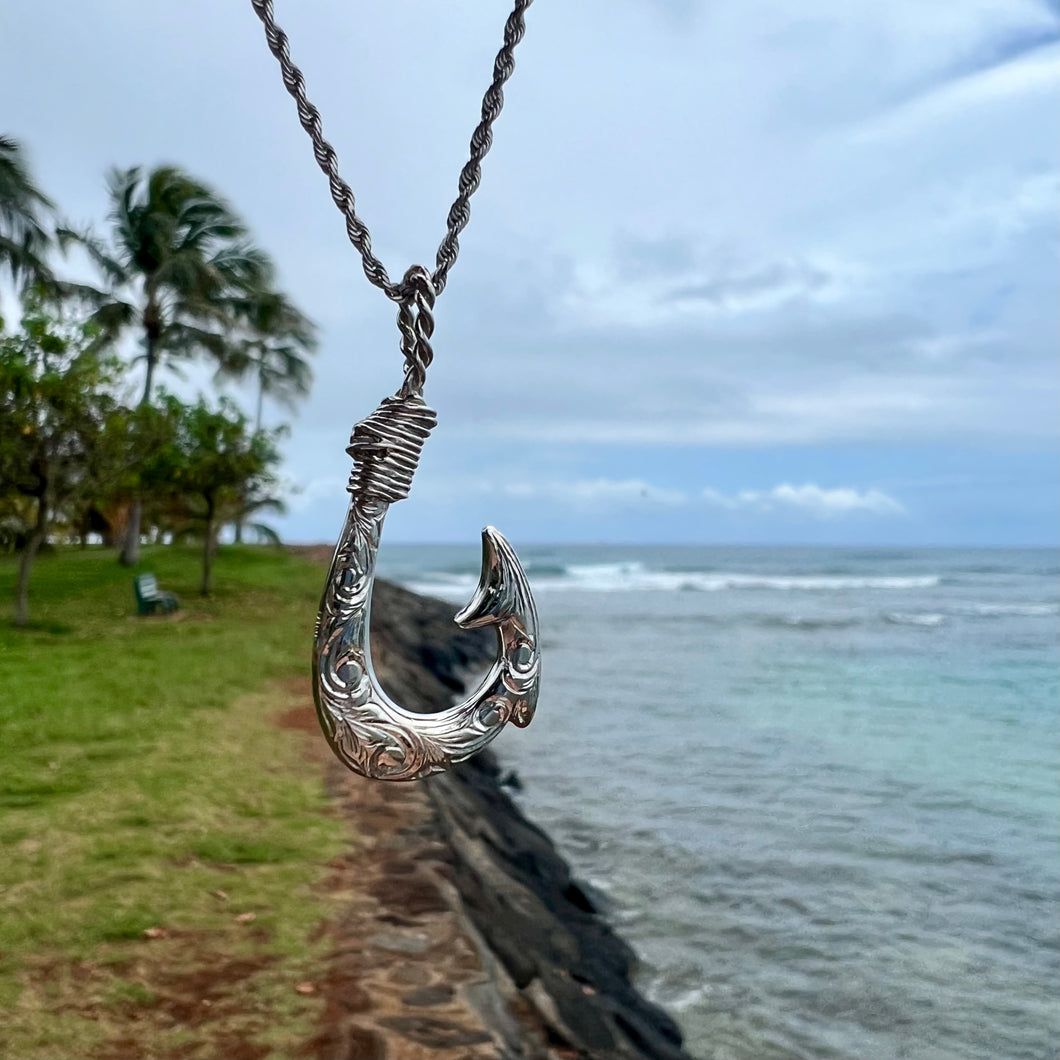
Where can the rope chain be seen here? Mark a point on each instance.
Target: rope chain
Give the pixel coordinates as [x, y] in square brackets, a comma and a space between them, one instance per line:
[419, 288]
[416, 324]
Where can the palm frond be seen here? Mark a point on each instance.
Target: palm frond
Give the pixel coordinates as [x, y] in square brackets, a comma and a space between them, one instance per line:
[23, 259]
[265, 533]
[243, 266]
[18, 191]
[114, 273]
[112, 317]
[181, 338]
[25, 213]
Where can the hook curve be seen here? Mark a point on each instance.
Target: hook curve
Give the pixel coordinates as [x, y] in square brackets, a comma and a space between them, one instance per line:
[367, 730]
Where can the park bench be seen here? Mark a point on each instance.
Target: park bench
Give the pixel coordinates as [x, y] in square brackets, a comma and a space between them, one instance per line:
[149, 598]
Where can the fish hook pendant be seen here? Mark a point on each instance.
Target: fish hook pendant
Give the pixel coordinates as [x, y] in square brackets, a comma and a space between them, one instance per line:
[366, 729]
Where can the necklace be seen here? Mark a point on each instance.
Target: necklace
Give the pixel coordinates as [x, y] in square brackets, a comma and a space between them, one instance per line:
[367, 730]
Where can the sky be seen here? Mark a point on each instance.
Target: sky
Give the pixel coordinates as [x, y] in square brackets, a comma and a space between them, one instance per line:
[741, 271]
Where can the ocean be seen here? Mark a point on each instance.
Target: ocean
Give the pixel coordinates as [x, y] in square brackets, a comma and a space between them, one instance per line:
[818, 789]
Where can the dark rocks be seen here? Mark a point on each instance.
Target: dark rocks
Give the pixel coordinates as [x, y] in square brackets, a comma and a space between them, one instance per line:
[406, 943]
[434, 1033]
[562, 968]
[511, 780]
[542, 927]
[428, 996]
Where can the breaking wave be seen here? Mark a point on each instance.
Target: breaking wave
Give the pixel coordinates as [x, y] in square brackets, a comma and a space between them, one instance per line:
[928, 619]
[636, 577]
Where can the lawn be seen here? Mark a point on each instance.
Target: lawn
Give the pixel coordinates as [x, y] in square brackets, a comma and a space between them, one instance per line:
[164, 843]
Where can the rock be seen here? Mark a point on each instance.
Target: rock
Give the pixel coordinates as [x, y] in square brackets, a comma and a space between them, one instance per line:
[434, 1033]
[511, 780]
[429, 995]
[401, 943]
[541, 925]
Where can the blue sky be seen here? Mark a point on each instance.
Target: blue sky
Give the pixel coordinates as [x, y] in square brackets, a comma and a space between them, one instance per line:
[744, 271]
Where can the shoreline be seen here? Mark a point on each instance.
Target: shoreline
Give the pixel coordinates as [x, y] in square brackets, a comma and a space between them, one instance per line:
[464, 935]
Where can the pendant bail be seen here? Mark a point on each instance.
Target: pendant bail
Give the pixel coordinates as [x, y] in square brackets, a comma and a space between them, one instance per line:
[415, 321]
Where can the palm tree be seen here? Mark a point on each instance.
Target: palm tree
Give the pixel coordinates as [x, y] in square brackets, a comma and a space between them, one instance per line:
[24, 211]
[277, 339]
[278, 336]
[177, 254]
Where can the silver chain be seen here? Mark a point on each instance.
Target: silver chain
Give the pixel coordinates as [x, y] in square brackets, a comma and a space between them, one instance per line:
[416, 324]
[419, 288]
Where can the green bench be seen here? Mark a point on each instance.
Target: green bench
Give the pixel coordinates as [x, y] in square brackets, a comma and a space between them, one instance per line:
[149, 598]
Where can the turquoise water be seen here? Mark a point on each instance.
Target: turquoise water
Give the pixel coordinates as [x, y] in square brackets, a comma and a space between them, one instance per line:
[820, 789]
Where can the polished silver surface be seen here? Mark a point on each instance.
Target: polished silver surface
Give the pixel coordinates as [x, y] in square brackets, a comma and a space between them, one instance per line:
[342, 193]
[415, 320]
[369, 732]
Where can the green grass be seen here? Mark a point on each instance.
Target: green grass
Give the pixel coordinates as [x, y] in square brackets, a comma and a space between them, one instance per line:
[143, 785]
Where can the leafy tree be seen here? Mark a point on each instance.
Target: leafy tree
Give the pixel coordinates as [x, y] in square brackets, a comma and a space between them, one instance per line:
[176, 256]
[24, 213]
[16, 516]
[122, 454]
[55, 403]
[211, 466]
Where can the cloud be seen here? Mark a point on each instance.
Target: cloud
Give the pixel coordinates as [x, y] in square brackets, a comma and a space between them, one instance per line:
[765, 225]
[903, 390]
[1025, 74]
[611, 293]
[760, 288]
[596, 493]
[810, 499]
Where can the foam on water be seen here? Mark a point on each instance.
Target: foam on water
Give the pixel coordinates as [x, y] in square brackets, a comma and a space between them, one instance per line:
[930, 619]
[636, 577]
[1002, 610]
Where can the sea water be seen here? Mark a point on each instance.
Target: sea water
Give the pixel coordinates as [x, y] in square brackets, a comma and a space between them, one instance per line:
[819, 789]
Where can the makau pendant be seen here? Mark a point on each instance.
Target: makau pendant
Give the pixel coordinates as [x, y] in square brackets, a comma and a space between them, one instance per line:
[370, 733]
[367, 730]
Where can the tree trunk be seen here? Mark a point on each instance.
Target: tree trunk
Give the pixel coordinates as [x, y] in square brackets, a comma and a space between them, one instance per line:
[208, 550]
[238, 526]
[130, 550]
[261, 404]
[145, 398]
[29, 554]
